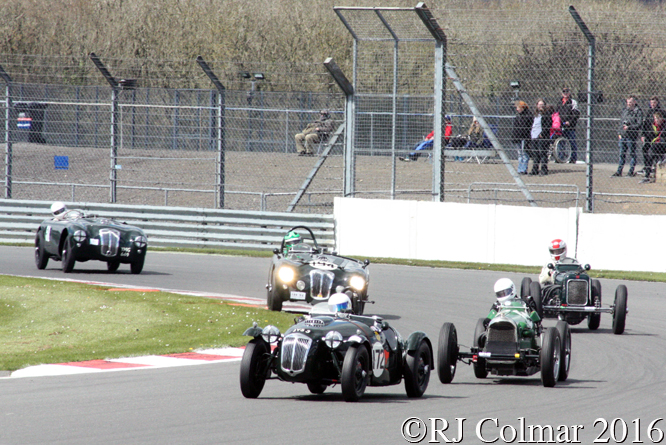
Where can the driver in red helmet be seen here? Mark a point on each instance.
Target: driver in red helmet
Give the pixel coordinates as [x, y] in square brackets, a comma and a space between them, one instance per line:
[558, 254]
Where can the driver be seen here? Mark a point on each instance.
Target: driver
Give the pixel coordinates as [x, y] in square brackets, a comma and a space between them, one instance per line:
[290, 240]
[59, 210]
[558, 254]
[505, 291]
[339, 302]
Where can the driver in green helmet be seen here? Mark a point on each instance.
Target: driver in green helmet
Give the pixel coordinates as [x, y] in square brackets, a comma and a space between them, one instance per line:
[290, 239]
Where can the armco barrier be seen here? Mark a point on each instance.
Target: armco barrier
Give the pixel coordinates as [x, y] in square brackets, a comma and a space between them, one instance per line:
[175, 226]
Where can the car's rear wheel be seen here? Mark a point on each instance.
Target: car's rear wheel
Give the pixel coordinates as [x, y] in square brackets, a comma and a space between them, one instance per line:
[112, 266]
[417, 370]
[273, 298]
[535, 293]
[447, 354]
[355, 368]
[594, 320]
[68, 255]
[620, 309]
[525, 287]
[564, 330]
[41, 257]
[550, 357]
[316, 388]
[137, 266]
[479, 366]
[253, 370]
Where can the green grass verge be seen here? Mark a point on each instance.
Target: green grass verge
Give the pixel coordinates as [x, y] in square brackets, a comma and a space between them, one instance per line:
[45, 321]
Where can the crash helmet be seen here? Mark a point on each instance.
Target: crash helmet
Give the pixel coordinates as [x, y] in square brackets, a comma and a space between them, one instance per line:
[58, 208]
[290, 239]
[505, 290]
[339, 303]
[557, 249]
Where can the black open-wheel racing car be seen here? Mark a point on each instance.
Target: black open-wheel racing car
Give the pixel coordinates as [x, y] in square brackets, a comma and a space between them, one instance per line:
[574, 296]
[303, 271]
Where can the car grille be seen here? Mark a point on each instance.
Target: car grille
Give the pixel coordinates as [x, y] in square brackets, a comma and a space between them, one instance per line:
[577, 292]
[109, 240]
[321, 282]
[502, 332]
[294, 353]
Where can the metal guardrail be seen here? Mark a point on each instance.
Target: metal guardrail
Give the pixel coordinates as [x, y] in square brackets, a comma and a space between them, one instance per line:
[175, 226]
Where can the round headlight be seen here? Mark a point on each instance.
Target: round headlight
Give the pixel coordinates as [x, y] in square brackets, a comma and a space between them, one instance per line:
[357, 282]
[286, 274]
[140, 241]
[80, 236]
[333, 339]
[300, 285]
[270, 334]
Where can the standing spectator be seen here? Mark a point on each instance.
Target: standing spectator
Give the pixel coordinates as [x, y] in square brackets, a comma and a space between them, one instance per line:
[657, 142]
[631, 123]
[569, 114]
[540, 138]
[314, 133]
[647, 128]
[522, 124]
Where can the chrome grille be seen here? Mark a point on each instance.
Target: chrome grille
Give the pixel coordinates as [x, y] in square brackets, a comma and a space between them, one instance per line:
[502, 332]
[294, 353]
[321, 282]
[109, 240]
[577, 292]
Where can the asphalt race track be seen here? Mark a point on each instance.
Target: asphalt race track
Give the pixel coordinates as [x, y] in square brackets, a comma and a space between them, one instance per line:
[612, 377]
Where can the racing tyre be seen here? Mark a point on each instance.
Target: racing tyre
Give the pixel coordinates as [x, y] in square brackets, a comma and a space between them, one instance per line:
[479, 366]
[594, 320]
[273, 299]
[253, 368]
[68, 255]
[620, 309]
[562, 150]
[525, 287]
[355, 370]
[316, 388]
[358, 305]
[112, 266]
[550, 357]
[564, 330]
[41, 258]
[417, 370]
[447, 355]
[535, 292]
[137, 266]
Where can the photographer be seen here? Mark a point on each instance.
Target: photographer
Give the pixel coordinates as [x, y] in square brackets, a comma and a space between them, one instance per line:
[631, 123]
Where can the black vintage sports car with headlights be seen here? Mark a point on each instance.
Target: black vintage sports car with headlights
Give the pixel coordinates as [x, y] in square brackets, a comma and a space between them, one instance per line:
[323, 350]
[574, 297]
[74, 236]
[305, 272]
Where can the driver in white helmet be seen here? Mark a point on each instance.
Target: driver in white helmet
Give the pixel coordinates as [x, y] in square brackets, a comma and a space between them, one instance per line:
[505, 292]
[59, 210]
[339, 302]
[558, 254]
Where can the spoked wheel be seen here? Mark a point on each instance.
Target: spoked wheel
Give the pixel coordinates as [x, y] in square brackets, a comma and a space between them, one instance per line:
[562, 150]
[447, 354]
[355, 373]
[316, 388]
[417, 370]
[620, 309]
[254, 369]
[479, 366]
[550, 357]
[112, 266]
[41, 258]
[68, 255]
[564, 330]
[594, 320]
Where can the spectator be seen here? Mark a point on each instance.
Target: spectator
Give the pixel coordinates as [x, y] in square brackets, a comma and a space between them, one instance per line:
[657, 142]
[428, 141]
[314, 133]
[474, 134]
[522, 125]
[647, 128]
[540, 138]
[569, 114]
[631, 122]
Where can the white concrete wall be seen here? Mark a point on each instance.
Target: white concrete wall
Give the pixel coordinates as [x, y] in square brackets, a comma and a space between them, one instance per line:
[487, 233]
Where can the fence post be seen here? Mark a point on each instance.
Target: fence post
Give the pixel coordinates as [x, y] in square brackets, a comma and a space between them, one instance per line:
[8, 139]
[220, 128]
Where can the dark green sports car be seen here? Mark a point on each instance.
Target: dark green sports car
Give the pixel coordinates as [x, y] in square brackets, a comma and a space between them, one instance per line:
[74, 236]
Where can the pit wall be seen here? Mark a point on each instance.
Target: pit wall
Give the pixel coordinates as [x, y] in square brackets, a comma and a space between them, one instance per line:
[497, 234]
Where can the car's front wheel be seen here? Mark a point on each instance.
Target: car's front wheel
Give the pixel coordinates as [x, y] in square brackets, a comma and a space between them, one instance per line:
[41, 257]
[620, 309]
[68, 259]
[417, 370]
[447, 354]
[535, 293]
[479, 365]
[112, 266]
[137, 266]
[355, 370]
[316, 387]
[253, 370]
[564, 330]
[550, 357]
[525, 287]
[273, 298]
[594, 320]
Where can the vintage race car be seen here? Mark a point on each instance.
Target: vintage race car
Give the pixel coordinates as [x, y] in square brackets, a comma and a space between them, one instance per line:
[512, 343]
[353, 351]
[305, 272]
[75, 236]
[574, 296]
